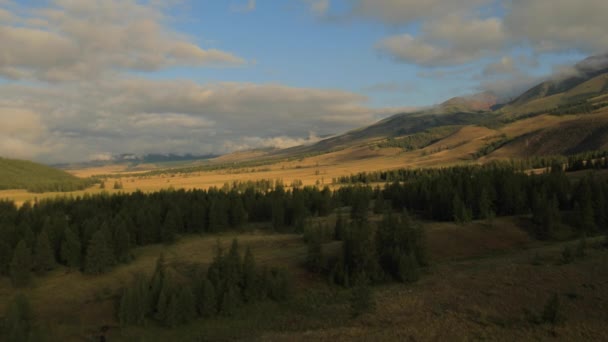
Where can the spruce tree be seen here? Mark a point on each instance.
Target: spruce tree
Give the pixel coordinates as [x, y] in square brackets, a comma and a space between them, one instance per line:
[250, 279]
[314, 256]
[71, 249]
[229, 300]
[170, 227]
[172, 313]
[21, 265]
[99, 254]
[44, 258]
[340, 228]
[6, 254]
[122, 242]
[361, 300]
[186, 305]
[233, 265]
[207, 303]
[18, 320]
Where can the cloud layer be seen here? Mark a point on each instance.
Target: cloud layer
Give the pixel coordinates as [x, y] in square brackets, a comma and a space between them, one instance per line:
[72, 94]
[74, 40]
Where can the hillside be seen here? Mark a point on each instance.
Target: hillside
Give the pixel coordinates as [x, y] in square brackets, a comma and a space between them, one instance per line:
[573, 104]
[21, 174]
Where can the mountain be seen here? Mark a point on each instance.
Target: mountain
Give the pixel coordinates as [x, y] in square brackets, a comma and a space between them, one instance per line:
[21, 174]
[573, 104]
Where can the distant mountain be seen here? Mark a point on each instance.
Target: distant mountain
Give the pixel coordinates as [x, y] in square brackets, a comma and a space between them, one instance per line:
[581, 90]
[133, 159]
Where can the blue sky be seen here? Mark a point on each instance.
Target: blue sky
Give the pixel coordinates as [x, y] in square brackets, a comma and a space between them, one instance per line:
[85, 79]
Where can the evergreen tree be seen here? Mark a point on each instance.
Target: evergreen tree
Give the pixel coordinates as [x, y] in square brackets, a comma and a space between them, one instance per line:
[163, 302]
[18, 320]
[122, 244]
[44, 258]
[233, 265]
[379, 204]
[99, 254]
[157, 282]
[170, 227]
[71, 249]
[21, 265]
[408, 267]
[250, 278]
[585, 217]
[6, 254]
[278, 214]
[186, 305]
[238, 215]
[340, 228]
[229, 300]
[361, 300]
[207, 303]
[462, 214]
[126, 308]
[314, 256]
[485, 205]
[172, 312]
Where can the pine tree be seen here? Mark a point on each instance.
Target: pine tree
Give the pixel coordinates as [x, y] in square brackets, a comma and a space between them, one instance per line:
[6, 254]
[21, 265]
[99, 254]
[485, 205]
[157, 282]
[186, 305]
[462, 214]
[233, 265]
[278, 213]
[71, 249]
[361, 300]
[172, 314]
[207, 303]
[250, 279]
[44, 258]
[340, 228]
[162, 304]
[238, 215]
[126, 310]
[379, 204]
[18, 320]
[170, 227]
[408, 268]
[122, 244]
[230, 300]
[314, 256]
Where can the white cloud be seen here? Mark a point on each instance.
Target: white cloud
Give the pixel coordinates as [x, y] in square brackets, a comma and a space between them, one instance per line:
[74, 40]
[559, 25]
[454, 39]
[131, 115]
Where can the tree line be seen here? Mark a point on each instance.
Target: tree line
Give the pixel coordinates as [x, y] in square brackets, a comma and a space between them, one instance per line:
[95, 232]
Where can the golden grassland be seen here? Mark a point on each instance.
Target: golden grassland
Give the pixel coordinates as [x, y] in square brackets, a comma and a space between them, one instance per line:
[455, 149]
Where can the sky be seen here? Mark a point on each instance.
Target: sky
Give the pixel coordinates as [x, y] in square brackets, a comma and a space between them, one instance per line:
[87, 79]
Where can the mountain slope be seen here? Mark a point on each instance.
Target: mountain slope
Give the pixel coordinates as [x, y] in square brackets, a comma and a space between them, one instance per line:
[21, 174]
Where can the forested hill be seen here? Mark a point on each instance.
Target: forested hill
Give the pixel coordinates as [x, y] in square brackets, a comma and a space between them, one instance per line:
[34, 177]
